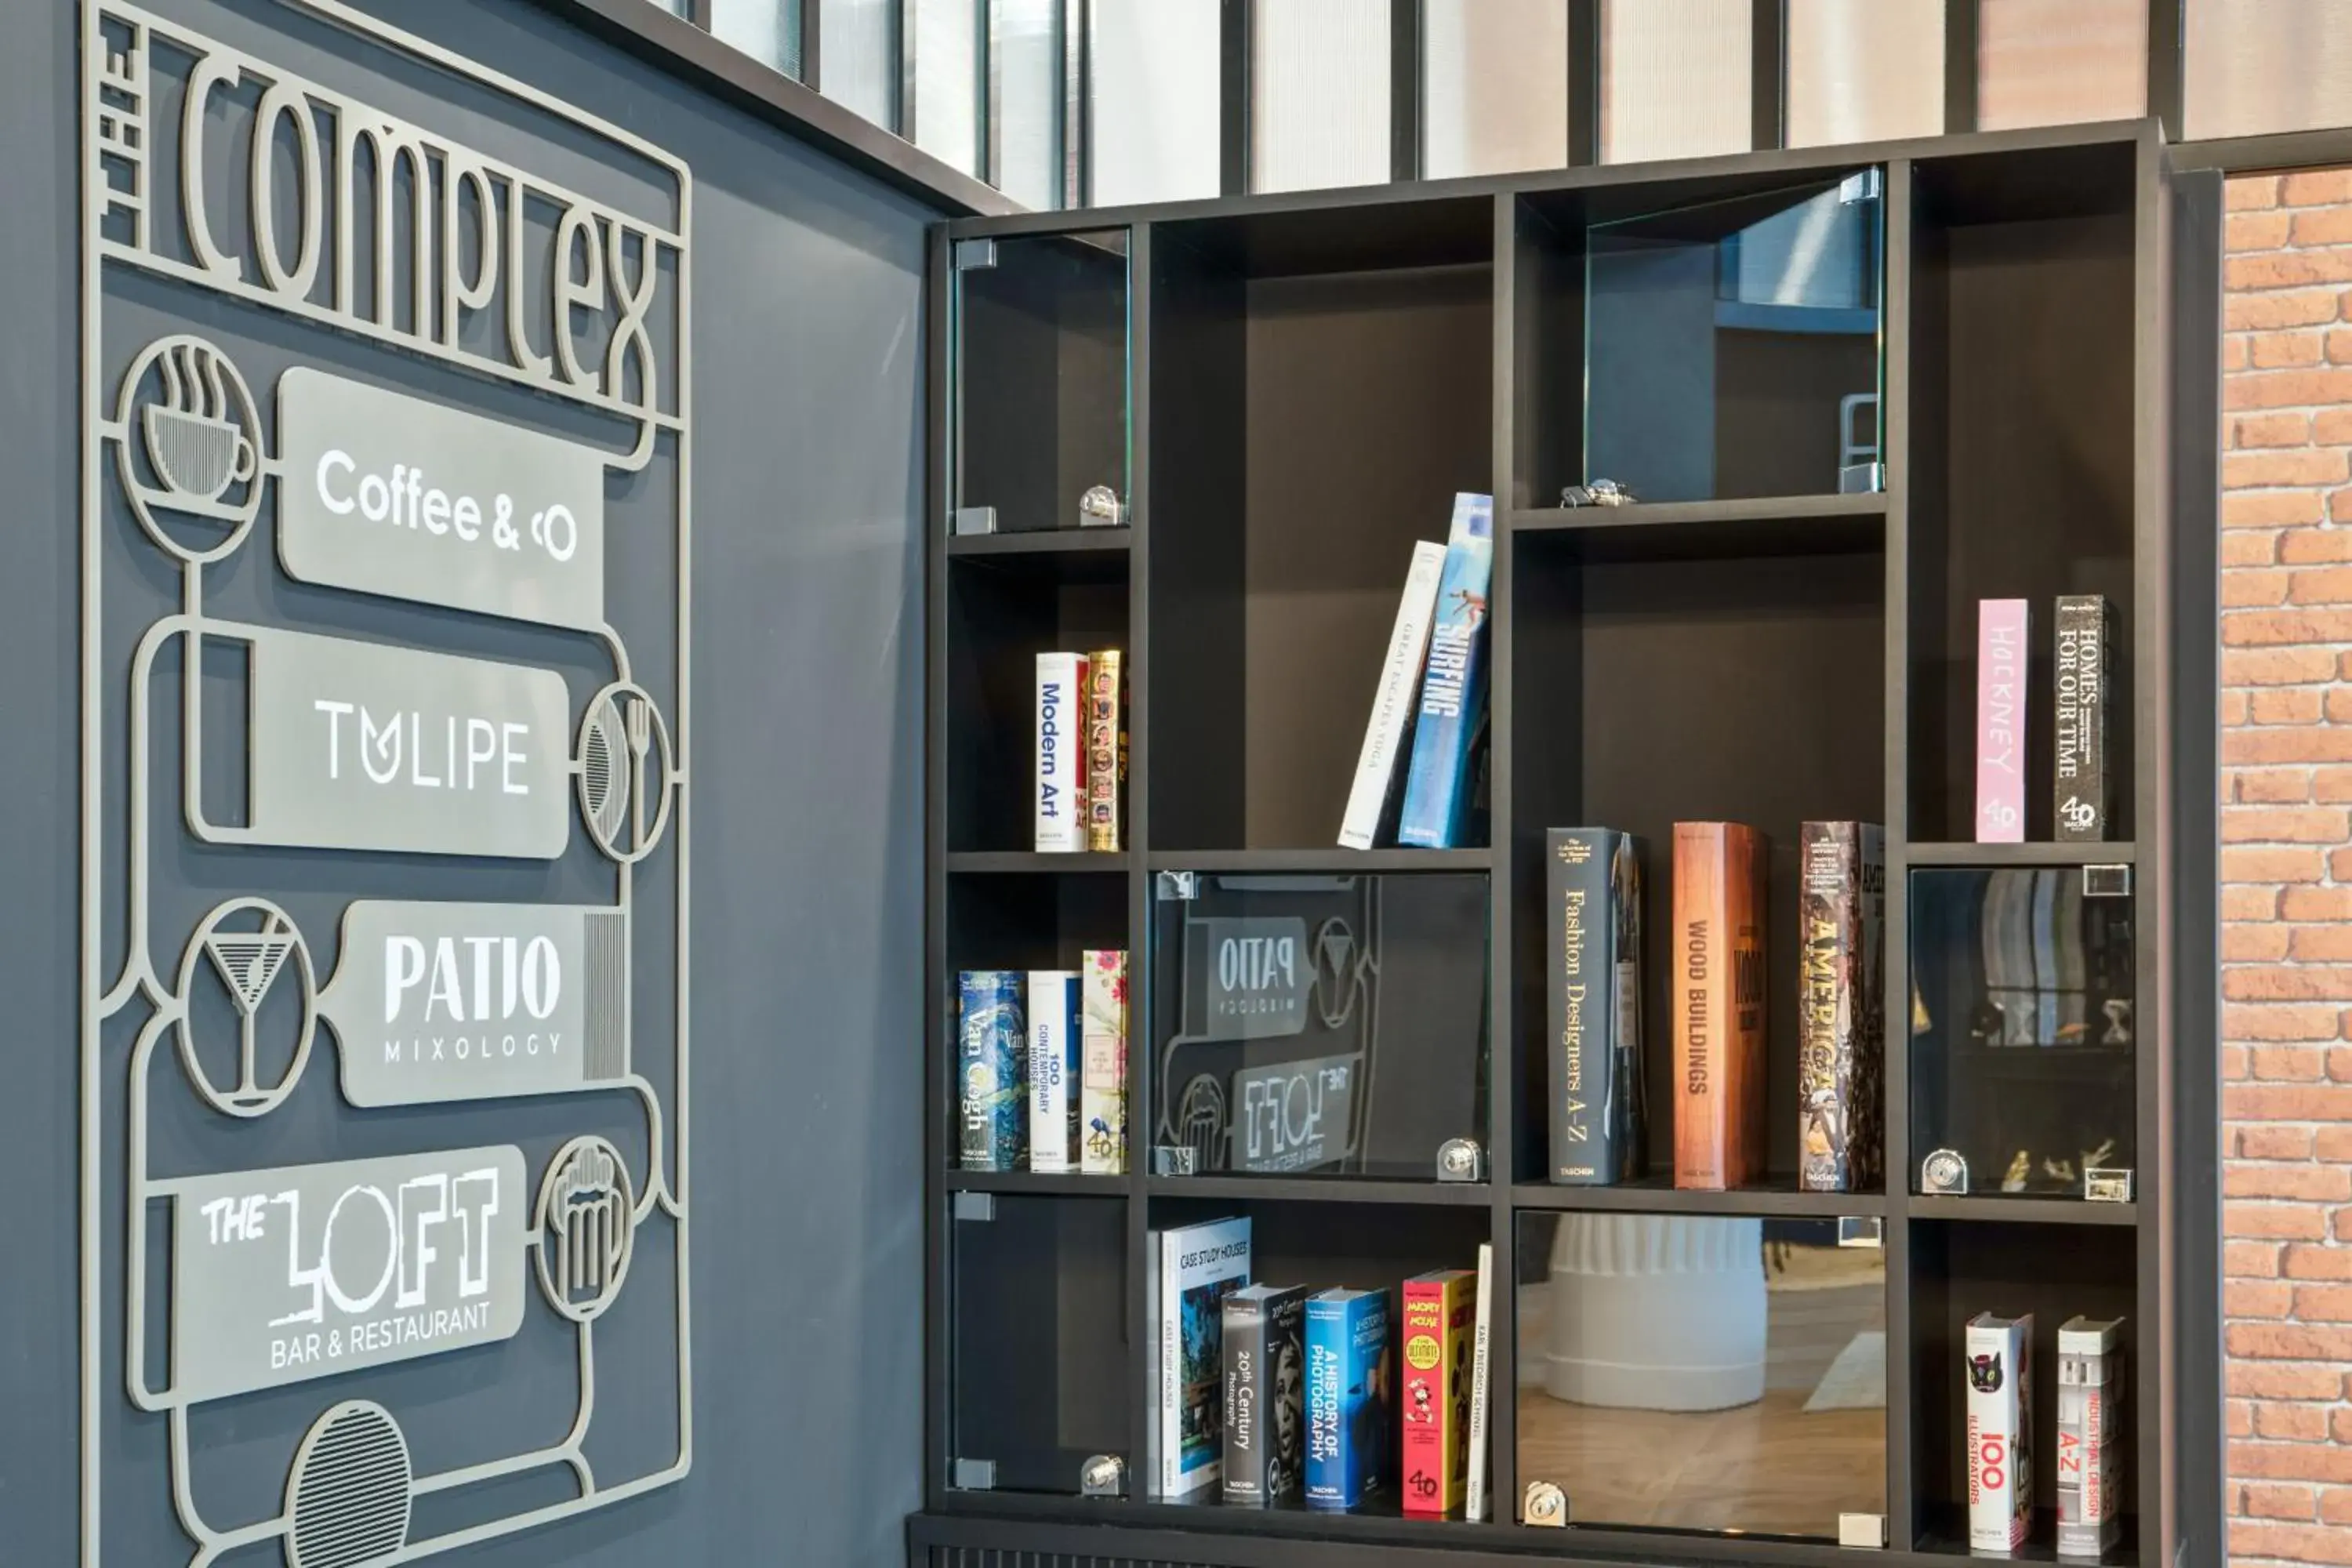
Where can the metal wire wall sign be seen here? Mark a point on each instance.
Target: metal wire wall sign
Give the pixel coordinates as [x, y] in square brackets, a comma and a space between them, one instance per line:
[384, 449]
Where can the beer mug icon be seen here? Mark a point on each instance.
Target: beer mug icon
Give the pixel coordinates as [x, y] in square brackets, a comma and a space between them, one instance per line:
[195, 438]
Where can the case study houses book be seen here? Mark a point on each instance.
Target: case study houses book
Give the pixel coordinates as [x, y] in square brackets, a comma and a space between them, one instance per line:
[1193, 1268]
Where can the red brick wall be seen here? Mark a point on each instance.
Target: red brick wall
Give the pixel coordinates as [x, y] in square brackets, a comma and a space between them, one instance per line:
[2286, 865]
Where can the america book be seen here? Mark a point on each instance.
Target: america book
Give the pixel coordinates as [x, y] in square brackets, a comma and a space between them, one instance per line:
[1348, 1374]
[1192, 1270]
[2001, 630]
[1389, 729]
[992, 1069]
[2082, 804]
[1102, 1094]
[1265, 1394]
[1105, 786]
[1061, 753]
[1999, 1372]
[1593, 932]
[1435, 1395]
[1053, 1041]
[2090, 1415]
[1841, 1010]
[1719, 985]
[1438, 785]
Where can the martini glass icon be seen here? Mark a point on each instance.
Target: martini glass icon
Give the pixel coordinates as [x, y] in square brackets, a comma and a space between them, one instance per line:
[248, 963]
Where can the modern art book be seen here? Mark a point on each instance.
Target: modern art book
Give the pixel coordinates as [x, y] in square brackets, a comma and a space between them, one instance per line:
[1061, 753]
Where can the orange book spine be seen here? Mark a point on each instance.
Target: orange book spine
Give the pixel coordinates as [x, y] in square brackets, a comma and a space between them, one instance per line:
[1720, 1004]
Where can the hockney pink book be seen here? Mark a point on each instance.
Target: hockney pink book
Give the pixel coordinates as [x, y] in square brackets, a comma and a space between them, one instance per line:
[2001, 626]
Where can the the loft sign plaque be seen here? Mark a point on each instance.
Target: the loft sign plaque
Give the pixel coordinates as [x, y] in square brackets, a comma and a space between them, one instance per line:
[280, 1275]
[396, 495]
[385, 532]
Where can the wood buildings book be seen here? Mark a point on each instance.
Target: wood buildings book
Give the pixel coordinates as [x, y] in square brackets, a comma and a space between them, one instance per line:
[1593, 944]
[1842, 1006]
[1718, 989]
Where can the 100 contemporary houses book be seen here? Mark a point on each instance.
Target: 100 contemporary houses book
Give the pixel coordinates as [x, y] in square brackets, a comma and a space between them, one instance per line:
[1593, 928]
[1053, 1070]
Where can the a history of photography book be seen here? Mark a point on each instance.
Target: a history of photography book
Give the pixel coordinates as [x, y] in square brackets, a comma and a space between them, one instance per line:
[1102, 1094]
[2000, 1373]
[1348, 1374]
[1061, 753]
[1593, 932]
[1389, 732]
[1192, 1269]
[1434, 1398]
[2090, 1416]
[1719, 983]
[1438, 785]
[1482, 1333]
[2083, 802]
[992, 1064]
[1842, 1011]
[1265, 1394]
[1106, 785]
[2002, 626]
[1054, 1042]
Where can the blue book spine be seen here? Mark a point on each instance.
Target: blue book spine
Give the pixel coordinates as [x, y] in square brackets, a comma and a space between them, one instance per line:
[1453, 685]
[1348, 1418]
[991, 1048]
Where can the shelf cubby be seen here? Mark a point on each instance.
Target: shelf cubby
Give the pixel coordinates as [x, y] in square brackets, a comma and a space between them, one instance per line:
[1033, 920]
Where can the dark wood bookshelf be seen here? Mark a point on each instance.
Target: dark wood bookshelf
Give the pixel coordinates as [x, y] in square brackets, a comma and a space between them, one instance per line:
[1290, 389]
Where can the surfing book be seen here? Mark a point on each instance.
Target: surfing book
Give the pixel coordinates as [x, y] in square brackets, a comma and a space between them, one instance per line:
[1438, 785]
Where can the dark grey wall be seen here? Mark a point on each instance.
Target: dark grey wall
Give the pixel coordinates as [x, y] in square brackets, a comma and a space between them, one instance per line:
[807, 827]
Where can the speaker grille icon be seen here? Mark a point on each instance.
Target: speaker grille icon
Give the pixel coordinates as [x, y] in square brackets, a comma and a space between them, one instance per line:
[347, 1501]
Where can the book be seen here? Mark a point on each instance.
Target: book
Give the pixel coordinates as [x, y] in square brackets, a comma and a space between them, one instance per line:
[1192, 1269]
[1593, 926]
[1053, 1035]
[1437, 789]
[1435, 1397]
[1482, 1325]
[1266, 1390]
[1106, 747]
[1841, 1016]
[1718, 987]
[1061, 761]
[2001, 627]
[2083, 800]
[2090, 1411]
[1389, 729]
[2000, 1431]
[1102, 1093]
[992, 1057]
[1347, 1382]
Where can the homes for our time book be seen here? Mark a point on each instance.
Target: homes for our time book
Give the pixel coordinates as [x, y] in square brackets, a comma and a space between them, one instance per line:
[1265, 1392]
[1593, 927]
[2083, 802]
[991, 1066]
[1999, 1370]
[1435, 1395]
[1102, 1098]
[1348, 1376]
[1053, 1044]
[2001, 664]
[1389, 729]
[1720, 999]
[1192, 1269]
[1437, 790]
[1840, 1013]
[1061, 758]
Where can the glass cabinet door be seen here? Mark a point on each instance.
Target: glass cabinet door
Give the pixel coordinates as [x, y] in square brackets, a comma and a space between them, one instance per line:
[1040, 382]
[1329, 1025]
[2023, 1035]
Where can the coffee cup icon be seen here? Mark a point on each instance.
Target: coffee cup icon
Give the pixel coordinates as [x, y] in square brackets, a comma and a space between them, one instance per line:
[197, 456]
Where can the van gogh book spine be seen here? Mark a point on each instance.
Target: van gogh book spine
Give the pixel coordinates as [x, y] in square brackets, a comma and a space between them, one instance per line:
[1348, 1376]
[2083, 802]
[1265, 1361]
[1594, 930]
[1720, 999]
[1454, 685]
[1053, 1040]
[1102, 1111]
[991, 1048]
[1060, 755]
[1389, 729]
[2001, 630]
[1435, 1397]
[1841, 1014]
[1106, 748]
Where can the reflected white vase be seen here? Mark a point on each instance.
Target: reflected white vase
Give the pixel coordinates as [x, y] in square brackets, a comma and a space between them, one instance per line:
[1656, 1311]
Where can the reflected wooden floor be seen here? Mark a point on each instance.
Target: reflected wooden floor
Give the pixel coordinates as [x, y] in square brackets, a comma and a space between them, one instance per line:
[1770, 1467]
